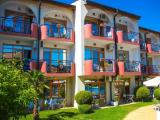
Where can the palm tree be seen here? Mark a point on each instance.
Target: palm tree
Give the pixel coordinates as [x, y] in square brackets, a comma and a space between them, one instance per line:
[38, 83]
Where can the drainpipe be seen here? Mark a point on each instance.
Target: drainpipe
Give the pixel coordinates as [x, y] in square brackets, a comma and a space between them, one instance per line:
[38, 34]
[115, 51]
[115, 38]
[145, 38]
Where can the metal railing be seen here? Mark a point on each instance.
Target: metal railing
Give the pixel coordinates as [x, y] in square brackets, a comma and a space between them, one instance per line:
[155, 47]
[131, 66]
[154, 69]
[104, 65]
[13, 25]
[59, 32]
[142, 44]
[143, 69]
[130, 36]
[58, 66]
[103, 31]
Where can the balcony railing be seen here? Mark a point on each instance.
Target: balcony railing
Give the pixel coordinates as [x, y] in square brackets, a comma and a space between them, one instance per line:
[11, 25]
[132, 66]
[58, 66]
[59, 32]
[98, 31]
[130, 36]
[143, 69]
[102, 31]
[154, 69]
[105, 65]
[155, 47]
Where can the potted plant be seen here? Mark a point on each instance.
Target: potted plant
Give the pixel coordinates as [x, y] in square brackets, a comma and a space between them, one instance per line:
[114, 102]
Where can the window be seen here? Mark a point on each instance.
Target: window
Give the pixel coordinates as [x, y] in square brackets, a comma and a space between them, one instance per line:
[17, 22]
[14, 51]
[97, 88]
[95, 54]
[57, 28]
[57, 60]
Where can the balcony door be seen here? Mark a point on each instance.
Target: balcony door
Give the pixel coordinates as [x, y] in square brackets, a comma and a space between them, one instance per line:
[19, 52]
[56, 28]
[124, 29]
[56, 59]
[94, 54]
[123, 55]
[16, 51]
[17, 22]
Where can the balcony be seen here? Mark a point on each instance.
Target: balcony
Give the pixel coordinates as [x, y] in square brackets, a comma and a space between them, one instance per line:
[153, 48]
[104, 67]
[94, 32]
[10, 26]
[54, 68]
[129, 68]
[128, 37]
[57, 33]
[154, 70]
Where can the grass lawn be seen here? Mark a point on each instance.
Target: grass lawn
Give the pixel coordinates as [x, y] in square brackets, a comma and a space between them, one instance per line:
[113, 113]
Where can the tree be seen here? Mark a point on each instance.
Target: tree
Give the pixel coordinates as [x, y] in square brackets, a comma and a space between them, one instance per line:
[15, 90]
[37, 81]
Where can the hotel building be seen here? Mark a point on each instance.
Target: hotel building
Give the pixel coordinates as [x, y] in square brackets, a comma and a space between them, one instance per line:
[80, 46]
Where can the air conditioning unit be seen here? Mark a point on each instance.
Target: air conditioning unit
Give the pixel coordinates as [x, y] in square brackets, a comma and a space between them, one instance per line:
[103, 16]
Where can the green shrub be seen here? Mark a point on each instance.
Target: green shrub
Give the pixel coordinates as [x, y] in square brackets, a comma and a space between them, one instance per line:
[157, 93]
[143, 93]
[85, 108]
[135, 90]
[84, 97]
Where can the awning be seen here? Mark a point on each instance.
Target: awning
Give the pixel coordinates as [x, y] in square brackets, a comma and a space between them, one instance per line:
[155, 82]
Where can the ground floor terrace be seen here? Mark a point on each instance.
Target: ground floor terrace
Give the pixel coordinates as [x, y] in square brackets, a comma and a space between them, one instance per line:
[103, 89]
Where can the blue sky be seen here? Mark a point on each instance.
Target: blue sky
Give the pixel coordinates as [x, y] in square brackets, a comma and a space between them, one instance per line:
[149, 10]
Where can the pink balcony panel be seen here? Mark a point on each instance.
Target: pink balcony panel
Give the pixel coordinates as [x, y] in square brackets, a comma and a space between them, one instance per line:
[44, 35]
[34, 30]
[88, 34]
[122, 71]
[121, 39]
[88, 69]
[44, 32]
[149, 48]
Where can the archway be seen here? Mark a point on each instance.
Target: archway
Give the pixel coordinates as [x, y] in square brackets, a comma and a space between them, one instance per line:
[100, 22]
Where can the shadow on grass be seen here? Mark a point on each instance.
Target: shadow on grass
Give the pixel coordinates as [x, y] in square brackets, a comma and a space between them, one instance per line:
[60, 116]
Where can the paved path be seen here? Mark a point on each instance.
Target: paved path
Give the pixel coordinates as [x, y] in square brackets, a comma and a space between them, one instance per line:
[144, 113]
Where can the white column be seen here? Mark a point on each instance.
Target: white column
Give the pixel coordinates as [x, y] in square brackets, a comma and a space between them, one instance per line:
[80, 14]
[69, 92]
[107, 92]
[132, 85]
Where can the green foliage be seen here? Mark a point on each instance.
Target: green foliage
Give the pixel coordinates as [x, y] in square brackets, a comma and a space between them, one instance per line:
[12, 63]
[85, 108]
[135, 90]
[157, 93]
[155, 101]
[15, 91]
[111, 113]
[84, 97]
[143, 93]
[37, 82]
